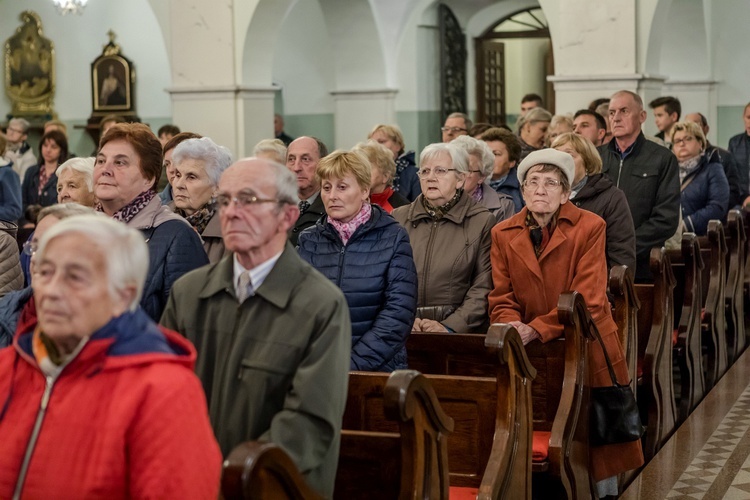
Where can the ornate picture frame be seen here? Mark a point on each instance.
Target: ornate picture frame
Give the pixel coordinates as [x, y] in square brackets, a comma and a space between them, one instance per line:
[112, 82]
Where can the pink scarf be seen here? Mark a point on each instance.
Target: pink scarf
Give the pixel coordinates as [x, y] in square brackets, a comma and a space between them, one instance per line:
[346, 229]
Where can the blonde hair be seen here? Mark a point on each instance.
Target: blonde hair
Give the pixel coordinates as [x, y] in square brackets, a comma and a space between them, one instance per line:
[392, 132]
[692, 129]
[591, 159]
[273, 147]
[340, 163]
[379, 156]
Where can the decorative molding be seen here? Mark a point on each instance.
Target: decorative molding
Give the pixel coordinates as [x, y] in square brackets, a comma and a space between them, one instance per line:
[222, 92]
[364, 94]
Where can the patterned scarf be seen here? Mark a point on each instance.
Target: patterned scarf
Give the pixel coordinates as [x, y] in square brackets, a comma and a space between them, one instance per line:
[129, 211]
[495, 184]
[687, 166]
[438, 213]
[43, 178]
[540, 236]
[49, 358]
[346, 229]
[478, 193]
[200, 218]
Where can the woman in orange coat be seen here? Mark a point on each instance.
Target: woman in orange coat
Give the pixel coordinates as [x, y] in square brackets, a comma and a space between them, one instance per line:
[549, 247]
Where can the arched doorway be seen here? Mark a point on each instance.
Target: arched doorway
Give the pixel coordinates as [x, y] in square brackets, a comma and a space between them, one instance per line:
[513, 57]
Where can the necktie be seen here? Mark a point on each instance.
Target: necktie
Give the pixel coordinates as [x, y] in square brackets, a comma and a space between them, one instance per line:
[303, 206]
[243, 289]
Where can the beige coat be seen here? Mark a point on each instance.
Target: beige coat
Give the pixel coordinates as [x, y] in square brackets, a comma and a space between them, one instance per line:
[453, 260]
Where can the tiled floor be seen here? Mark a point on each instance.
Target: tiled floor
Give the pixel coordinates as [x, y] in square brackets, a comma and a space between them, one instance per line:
[708, 457]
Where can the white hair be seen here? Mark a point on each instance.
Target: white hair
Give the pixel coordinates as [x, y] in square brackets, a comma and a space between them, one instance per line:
[459, 158]
[22, 124]
[123, 248]
[82, 165]
[216, 158]
[480, 149]
[273, 146]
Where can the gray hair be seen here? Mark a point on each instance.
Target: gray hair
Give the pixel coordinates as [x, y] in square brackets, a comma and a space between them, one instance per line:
[533, 116]
[216, 158]
[275, 147]
[477, 148]
[123, 248]
[465, 117]
[22, 124]
[64, 211]
[82, 165]
[459, 158]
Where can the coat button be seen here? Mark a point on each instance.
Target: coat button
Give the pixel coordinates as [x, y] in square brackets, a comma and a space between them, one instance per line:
[645, 175]
[295, 229]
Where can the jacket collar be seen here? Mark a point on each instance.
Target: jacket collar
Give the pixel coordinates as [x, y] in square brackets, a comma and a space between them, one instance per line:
[636, 146]
[213, 228]
[465, 207]
[276, 289]
[153, 215]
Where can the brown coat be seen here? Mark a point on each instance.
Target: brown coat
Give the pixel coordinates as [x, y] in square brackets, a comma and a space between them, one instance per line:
[453, 260]
[213, 243]
[527, 290]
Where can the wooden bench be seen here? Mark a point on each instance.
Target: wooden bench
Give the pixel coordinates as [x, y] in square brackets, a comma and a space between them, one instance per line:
[687, 267]
[713, 314]
[625, 312]
[655, 326]
[734, 303]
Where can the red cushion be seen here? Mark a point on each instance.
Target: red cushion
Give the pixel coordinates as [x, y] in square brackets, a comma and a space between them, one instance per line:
[540, 446]
[462, 493]
[674, 337]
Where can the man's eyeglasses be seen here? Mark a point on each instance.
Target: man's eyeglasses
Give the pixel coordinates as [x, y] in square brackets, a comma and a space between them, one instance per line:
[549, 184]
[242, 200]
[453, 129]
[29, 248]
[684, 140]
[438, 171]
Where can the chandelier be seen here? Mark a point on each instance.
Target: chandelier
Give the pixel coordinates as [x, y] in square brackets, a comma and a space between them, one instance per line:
[70, 6]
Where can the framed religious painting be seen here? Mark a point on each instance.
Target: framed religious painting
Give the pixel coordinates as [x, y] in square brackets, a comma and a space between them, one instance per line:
[112, 82]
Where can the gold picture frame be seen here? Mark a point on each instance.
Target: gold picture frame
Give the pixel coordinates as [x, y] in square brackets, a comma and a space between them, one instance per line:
[112, 82]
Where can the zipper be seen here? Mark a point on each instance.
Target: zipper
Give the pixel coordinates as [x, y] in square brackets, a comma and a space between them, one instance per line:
[619, 173]
[341, 266]
[426, 267]
[34, 436]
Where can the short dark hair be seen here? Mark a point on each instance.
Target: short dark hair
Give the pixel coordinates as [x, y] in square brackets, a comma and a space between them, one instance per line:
[506, 137]
[533, 98]
[145, 143]
[479, 128]
[704, 121]
[598, 102]
[600, 123]
[322, 149]
[671, 105]
[111, 119]
[58, 138]
[178, 138]
[168, 129]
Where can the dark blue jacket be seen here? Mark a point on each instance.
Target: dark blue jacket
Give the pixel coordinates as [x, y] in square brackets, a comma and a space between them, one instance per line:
[10, 309]
[512, 188]
[406, 181]
[376, 272]
[30, 189]
[739, 146]
[10, 194]
[704, 196]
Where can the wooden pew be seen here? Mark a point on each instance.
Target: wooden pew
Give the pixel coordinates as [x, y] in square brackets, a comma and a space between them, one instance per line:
[714, 251]
[394, 438]
[655, 325]
[734, 303]
[490, 448]
[625, 312]
[687, 266]
[746, 277]
[559, 408]
[257, 470]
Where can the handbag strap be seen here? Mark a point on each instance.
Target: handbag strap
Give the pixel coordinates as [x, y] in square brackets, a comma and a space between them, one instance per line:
[611, 370]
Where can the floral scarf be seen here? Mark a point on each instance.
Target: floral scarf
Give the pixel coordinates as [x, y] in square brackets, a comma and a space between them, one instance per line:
[200, 218]
[346, 229]
[129, 211]
[689, 165]
[438, 213]
[540, 236]
[478, 193]
[43, 178]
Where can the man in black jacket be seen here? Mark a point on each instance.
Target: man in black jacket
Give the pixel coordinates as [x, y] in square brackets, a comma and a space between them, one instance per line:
[646, 172]
[302, 158]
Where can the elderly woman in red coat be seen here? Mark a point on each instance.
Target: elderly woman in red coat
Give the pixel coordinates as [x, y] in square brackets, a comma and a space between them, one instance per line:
[549, 247]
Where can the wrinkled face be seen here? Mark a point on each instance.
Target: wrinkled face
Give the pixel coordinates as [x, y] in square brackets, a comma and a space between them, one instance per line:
[543, 199]
[685, 145]
[663, 119]
[72, 188]
[438, 180]
[379, 181]
[381, 138]
[343, 198]
[168, 167]
[580, 171]
[71, 290]
[474, 177]
[534, 134]
[15, 135]
[453, 128]
[252, 227]
[192, 188]
[746, 118]
[51, 151]
[503, 164]
[528, 106]
[302, 158]
[625, 116]
[117, 175]
[585, 126]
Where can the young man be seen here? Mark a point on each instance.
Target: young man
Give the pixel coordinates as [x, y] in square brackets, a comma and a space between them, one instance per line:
[667, 112]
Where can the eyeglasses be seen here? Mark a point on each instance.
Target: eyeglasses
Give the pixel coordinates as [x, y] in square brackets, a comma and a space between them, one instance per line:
[453, 129]
[475, 171]
[549, 184]
[17, 131]
[243, 200]
[684, 140]
[438, 171]
[29, 248]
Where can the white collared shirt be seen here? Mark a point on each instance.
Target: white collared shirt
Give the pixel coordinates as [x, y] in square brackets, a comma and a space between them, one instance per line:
[258, 274]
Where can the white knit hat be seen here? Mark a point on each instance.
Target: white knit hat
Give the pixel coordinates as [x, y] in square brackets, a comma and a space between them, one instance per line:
[548, 156]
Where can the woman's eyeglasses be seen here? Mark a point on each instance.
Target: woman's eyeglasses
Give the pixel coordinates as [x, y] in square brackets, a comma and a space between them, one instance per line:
[438, 171]
[549, 184]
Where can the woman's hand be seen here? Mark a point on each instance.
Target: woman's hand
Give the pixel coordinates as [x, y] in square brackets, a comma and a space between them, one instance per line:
[526, 332]
[430, 325]
[417, 325]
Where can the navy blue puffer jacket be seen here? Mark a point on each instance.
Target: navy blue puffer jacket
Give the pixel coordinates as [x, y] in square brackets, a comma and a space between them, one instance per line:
[376, 272]
[704, 196]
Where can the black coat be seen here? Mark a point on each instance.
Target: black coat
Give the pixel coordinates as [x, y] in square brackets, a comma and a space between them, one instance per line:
[738, 190]
[649, 177]
[308, 219]
[601, 197]
[739, 146]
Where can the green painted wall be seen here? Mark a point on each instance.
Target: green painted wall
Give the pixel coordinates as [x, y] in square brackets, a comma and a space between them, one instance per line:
[730, 123]
[317, 125]
[420, 128]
